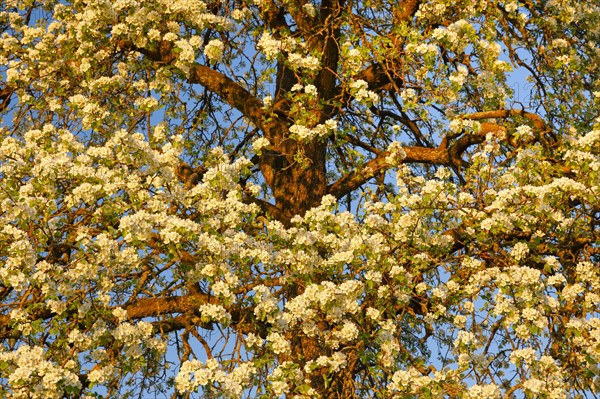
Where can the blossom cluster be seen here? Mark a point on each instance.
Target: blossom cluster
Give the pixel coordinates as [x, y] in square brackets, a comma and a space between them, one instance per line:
[310, 133]
[294, 50]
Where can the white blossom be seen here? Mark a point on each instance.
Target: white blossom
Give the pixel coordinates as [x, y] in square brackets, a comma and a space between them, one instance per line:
[214, 50]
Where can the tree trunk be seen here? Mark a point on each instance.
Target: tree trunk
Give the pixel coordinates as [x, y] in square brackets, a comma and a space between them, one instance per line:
[296, 174]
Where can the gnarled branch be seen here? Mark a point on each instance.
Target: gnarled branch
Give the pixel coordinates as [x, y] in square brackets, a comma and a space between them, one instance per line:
[380, 164]
[227, 89]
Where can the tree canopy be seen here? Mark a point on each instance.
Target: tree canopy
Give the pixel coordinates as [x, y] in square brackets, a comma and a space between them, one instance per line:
[300, 199]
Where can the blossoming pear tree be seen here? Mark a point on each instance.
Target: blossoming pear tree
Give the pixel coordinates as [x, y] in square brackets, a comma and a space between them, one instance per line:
[299, 199]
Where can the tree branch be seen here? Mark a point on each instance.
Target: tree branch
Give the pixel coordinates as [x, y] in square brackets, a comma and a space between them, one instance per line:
[379, 164]
[445, 154]
[228, 90]
[152, 307]
[537, 121]
[375, 75]
[460, 146]
[5, 94]
[405, 10]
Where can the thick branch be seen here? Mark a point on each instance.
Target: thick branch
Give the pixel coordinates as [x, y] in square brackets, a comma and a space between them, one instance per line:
[537, 121]
[405, 10]
[375, 75]
[142, 308]
[241, 318]
[228, 90]
[377, 80]
[460, 146]
[5, 94]
[456, 150]
[379, 164]
[152, 307]
[303, 20]
[442, 155]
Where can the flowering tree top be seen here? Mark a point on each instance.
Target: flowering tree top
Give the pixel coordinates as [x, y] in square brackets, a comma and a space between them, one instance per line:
[294, 199]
